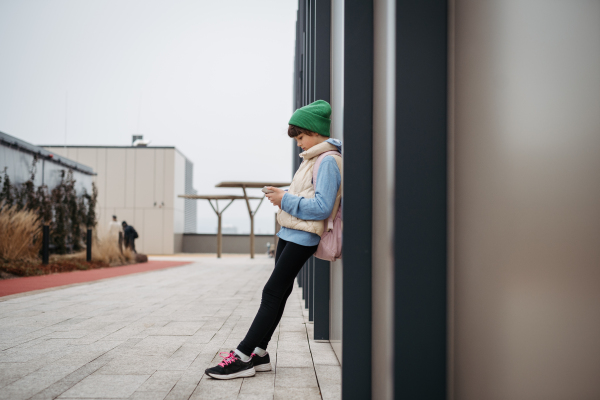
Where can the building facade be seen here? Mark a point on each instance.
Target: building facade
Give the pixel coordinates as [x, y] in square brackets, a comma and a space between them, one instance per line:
[471, 192]
[16, 158]
[140, 185]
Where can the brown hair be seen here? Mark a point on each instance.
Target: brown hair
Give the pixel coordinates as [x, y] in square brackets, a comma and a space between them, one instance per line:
[294, 131]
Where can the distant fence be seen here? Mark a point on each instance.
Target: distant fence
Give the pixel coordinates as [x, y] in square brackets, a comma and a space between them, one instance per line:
[232, 243]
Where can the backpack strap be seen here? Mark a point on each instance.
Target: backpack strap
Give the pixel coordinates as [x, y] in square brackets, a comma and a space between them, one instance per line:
[318, 163]
[314, 179]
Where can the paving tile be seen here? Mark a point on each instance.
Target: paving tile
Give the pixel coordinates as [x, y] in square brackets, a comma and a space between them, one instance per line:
[292, 346]
[260, 383]
[128, 331]
[297, 394]
[35, 382]
[288, 324]
[48, 347]
[139, 395]
[94, 336]
[329, 374]
[255, 396]
[207, 358]
[130, 365]
[158, 345]
[59, 387]
[292, 336]
[161, 381]
[86, 353]
[177, 328]
[182, 390]
[215, 389]
[294, 359]
[202, 336]
[183, 357]
[323, 354]
[74, 334]
[232, 343]
[106, 386]
[295, 378]
[11, 372]
[331, 392]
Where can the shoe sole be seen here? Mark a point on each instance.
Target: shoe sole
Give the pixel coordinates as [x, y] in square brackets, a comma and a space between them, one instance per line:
[263, 367]
[242, 374]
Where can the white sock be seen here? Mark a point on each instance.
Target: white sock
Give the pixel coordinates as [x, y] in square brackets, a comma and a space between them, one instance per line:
[260, 352]
[242, 356]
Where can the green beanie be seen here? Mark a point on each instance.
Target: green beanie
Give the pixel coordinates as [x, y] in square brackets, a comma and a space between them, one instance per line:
[314, 117]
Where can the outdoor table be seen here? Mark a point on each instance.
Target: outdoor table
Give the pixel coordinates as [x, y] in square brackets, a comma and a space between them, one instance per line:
[219, 213]
[251, 185]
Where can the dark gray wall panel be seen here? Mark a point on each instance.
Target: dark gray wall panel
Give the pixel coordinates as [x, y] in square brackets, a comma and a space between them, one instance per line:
[420, 206]
[357, 210]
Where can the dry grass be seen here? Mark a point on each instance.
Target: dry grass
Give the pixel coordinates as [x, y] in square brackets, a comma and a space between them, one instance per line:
[105, 253]
[20, 234]
[21, 241]
[32, 268]
[104, 250]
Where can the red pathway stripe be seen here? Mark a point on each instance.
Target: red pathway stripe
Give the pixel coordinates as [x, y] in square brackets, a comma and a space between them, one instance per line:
[27, 284]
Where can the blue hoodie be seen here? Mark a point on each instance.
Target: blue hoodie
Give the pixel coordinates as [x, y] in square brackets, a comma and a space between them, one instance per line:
[318, 208]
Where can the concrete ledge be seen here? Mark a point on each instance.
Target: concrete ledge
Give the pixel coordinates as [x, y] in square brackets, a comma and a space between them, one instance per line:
[232, 243]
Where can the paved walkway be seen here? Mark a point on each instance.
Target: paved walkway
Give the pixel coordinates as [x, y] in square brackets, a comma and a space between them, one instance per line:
[150, 336]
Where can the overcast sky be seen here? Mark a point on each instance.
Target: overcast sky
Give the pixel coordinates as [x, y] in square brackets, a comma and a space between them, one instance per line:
[214, 79]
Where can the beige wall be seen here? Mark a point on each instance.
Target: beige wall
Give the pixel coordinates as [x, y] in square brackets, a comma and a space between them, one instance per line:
[525, 200]
[139, 185]
[232, 244]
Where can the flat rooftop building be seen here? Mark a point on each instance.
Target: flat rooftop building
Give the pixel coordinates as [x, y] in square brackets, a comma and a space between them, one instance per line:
[140, 184]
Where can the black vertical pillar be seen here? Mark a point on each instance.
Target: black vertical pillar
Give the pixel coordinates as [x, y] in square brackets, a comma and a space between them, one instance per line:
[311, 289]
[88, 248]
[421, 191]
[321, 297]
[312, 81]
[45, 244]
[323, 50]
[322, 82]
[357, 210]
[300, 72]
[306, 283]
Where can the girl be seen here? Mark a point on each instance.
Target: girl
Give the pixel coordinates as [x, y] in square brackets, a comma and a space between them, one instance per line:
[302, 211]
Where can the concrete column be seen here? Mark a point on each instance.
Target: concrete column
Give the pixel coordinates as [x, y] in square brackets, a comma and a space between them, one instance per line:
[525, 193]
[383, 198]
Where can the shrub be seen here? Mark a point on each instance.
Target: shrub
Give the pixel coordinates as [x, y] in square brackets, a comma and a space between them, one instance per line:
[20, 233]
[67, 214]
[105, 250]
[7, 192]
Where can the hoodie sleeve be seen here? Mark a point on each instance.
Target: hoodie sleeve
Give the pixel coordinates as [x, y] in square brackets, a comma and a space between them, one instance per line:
[320, 207]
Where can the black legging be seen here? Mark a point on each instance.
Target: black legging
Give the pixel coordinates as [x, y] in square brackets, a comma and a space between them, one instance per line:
[289, 259]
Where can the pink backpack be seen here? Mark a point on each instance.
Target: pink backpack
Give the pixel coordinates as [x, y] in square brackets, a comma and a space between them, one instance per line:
[330, 246]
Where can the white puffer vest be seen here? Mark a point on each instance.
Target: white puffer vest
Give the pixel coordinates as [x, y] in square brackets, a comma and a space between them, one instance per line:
[302, 186]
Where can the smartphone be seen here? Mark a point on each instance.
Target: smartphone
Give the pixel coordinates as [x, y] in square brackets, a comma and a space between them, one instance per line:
[266, 190]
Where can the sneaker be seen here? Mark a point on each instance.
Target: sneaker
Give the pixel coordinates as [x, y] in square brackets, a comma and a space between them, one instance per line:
[261, 364]
[231, 367]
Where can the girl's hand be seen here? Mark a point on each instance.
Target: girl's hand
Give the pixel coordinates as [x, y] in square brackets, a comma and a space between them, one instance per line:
[276, 196]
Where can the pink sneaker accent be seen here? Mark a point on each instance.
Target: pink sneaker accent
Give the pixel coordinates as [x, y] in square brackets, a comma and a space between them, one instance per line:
[228, 358]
